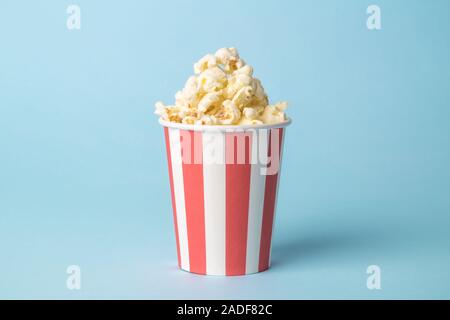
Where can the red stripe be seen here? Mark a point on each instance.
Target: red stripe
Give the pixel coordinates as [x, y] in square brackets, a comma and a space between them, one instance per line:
[269, 208]
[193, 194]
[169, 161]
[237, 203]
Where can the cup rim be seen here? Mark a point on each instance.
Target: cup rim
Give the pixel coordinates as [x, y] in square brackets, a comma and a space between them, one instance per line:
[201, 127]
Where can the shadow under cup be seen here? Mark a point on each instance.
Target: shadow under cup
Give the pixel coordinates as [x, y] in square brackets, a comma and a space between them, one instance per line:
[224, 182]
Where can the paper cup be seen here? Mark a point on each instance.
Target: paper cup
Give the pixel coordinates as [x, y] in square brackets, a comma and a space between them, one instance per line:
[224, 182]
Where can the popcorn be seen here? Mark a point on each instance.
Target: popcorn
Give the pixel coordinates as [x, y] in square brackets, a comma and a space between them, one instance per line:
[243, 96]
[260, 95]
[189, 120]
[248, 70]
[229, 113]
[235, 83]
[205, 119]
[188, 95]
[223, 91]
[274, 113]
[226, 55]
[204, 63]
[160, 109]
[245, 121]
[212, 79]
[250, 113]
[208, 101]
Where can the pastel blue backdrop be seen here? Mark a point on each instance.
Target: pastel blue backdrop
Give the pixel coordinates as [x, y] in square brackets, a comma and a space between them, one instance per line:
[366, 177]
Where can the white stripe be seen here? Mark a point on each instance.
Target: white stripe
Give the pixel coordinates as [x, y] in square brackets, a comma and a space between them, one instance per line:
[215, 202]
[256, 205]
[276, 195]
[178, 189]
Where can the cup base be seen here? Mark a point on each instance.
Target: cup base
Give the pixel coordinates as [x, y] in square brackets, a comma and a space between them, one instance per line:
[224, 275]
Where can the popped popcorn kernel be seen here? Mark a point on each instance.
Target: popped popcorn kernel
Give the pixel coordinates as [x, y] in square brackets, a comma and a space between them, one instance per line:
[223, 91]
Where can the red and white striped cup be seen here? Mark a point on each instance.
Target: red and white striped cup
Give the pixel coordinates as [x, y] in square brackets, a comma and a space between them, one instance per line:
[224, 182]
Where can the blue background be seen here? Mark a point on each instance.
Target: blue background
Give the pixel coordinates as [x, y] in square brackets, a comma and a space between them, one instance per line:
[366, 177]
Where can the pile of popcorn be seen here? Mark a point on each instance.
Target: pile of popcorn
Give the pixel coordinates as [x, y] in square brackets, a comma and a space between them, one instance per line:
[223, 91]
